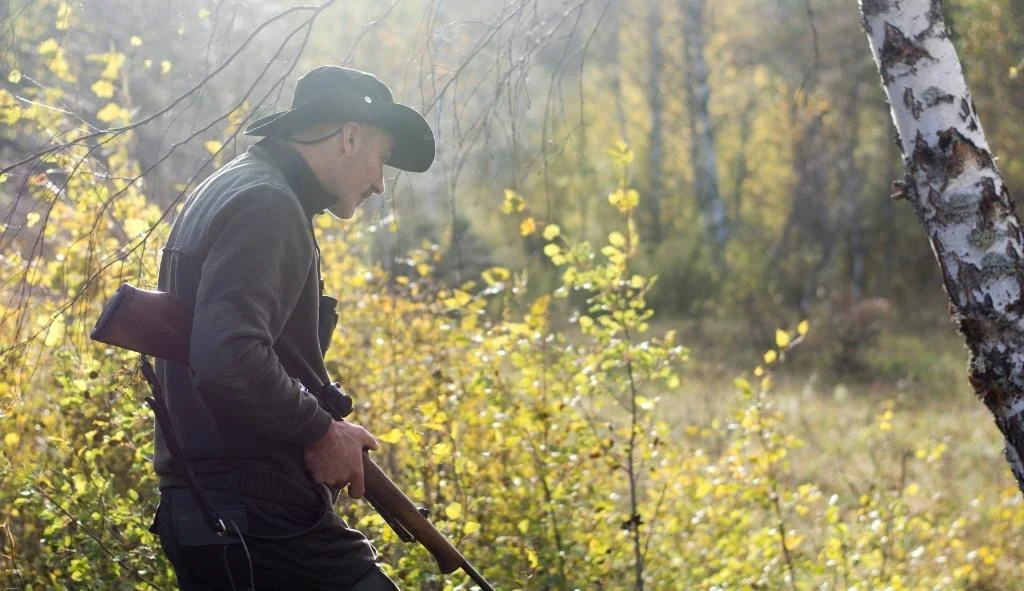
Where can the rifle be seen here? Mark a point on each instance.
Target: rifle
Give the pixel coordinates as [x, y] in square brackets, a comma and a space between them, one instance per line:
[154, 323]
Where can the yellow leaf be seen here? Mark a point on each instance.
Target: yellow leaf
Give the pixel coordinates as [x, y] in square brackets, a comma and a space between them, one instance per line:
[617, 239]
[441, 450]
[625, 200]
[495, 274]
[459, 298]
[110, 113]
[63, 16]
[636, 282]
[81, 483]
[523, 526]
[392, 436]
[527, 227]
[165, 66]
[135, 226]
[913, 489]
[213, 146]
[103, 88]
[551, 249]
[540, 306]
[49, 46]
[471, 528]
[453, 510]
[770, 356]
[703, 489]
[135, 41]
[758, 371]
[55, 333]
[11, 439]
[14, 77]
[31, 219]
[112, 62]
[781, 339]
[803, 327]
[551, 231]
[514, 202]
[621, 154]
[586, 322]
[147, 63]
[423, 269]
[204, 13]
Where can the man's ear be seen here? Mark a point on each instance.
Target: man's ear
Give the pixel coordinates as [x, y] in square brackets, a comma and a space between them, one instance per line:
[350, 136]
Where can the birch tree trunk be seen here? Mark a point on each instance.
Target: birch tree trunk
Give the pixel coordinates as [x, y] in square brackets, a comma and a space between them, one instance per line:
[655, 144]
[960, 199]
[705, 164]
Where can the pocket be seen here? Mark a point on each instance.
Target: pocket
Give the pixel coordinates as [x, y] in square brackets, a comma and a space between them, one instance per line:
[190, 529]
[375, 580]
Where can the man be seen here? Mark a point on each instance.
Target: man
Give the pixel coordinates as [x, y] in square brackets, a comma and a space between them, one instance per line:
[250, 410]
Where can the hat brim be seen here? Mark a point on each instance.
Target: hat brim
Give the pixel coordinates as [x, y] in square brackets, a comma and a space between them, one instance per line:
[413, 148]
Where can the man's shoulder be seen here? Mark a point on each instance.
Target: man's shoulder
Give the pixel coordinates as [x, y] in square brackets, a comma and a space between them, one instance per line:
[246, 172]
[248, 183]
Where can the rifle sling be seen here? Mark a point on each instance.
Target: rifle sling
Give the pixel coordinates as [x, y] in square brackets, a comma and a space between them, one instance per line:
[156, 402]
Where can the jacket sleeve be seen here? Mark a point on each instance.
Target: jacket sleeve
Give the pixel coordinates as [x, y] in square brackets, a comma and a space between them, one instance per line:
[254, 271]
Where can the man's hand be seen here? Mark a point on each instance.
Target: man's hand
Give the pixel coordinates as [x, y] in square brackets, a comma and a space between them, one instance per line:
[337, 458]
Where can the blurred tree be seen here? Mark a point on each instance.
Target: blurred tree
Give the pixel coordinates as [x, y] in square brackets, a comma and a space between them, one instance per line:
[655, 148]
[703, 156]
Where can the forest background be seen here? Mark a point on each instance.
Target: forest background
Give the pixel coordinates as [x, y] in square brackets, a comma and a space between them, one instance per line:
[652, 320]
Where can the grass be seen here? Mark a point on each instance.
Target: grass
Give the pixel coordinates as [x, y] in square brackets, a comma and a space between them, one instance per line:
[851, 445]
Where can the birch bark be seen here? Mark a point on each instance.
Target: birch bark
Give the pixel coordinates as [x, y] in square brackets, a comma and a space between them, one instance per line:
[959, 197]
[702, 150]
[655, 144]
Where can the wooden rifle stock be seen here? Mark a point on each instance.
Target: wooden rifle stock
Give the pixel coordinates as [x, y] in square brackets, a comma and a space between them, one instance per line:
[154, 323]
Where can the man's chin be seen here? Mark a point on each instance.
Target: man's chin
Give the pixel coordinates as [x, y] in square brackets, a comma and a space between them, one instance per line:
[342, 211]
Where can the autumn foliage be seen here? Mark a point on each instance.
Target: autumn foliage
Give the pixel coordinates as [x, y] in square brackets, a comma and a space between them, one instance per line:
[532, 426]
[534, 408]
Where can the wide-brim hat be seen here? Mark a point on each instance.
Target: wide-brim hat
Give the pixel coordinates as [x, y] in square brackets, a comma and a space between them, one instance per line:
[337, 94]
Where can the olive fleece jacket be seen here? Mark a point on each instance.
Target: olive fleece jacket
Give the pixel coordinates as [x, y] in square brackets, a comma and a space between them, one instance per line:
[242, 255]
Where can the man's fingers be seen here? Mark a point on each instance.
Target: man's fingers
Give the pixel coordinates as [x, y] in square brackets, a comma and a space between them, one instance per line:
[356, 488]
[370, 442]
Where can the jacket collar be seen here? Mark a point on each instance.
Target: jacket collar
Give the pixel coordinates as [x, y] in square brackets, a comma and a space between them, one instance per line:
[313, 196]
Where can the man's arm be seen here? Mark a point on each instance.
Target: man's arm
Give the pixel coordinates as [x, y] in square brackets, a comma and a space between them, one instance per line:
[252, 276]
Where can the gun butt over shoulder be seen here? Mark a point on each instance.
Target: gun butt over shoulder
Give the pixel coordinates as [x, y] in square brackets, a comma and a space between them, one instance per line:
[148, 322]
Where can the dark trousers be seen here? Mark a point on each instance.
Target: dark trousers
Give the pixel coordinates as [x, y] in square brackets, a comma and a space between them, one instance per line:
[203, 561]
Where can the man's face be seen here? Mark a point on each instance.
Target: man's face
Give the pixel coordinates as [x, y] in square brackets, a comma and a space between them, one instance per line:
[358, 172]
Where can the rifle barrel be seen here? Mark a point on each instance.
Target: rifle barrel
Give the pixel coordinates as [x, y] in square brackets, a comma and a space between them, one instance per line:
[476, 576]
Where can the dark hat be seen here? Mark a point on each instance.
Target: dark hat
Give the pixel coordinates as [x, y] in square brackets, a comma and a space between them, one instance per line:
[334, 93]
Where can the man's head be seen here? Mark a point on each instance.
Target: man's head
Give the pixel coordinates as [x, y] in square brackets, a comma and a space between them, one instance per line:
[346, 124]
[348, 159]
